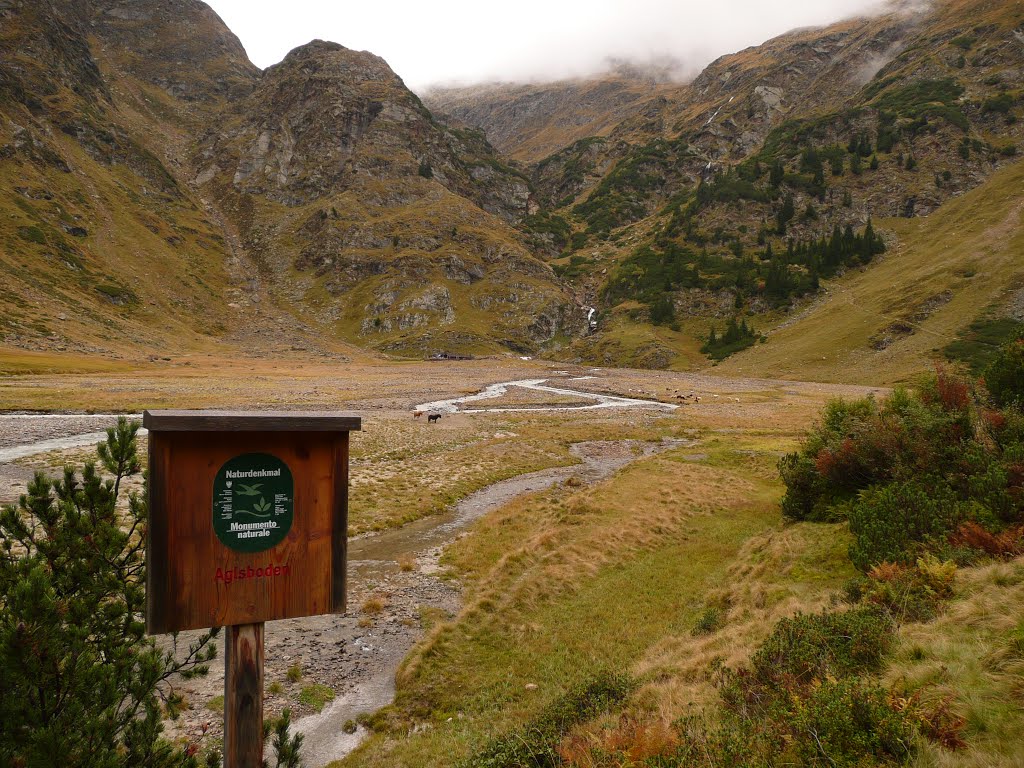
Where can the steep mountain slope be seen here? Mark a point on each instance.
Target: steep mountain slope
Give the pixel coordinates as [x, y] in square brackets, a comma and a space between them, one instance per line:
[103, 248]
[373, 219]
[744, 194]
[144, 210]
[881, 325]
[163, 192]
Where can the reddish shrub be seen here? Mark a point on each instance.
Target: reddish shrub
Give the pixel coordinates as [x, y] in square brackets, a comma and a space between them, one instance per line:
[629, 743]
[938, 722]
[825, 462]
[887, 572]
[1005, 544]
[994, 419]
[952, 392]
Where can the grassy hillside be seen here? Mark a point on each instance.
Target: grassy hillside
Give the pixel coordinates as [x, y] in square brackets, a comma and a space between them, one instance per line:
[888, 322]
[729, 199]
[99, 257]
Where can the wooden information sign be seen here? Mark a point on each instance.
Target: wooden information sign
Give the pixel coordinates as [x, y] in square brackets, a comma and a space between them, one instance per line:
[247, 523]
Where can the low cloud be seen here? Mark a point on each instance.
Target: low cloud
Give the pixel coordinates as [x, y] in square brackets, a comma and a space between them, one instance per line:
[466, 41]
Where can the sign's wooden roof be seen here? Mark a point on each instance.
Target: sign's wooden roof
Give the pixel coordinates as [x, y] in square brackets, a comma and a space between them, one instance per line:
[250, 421]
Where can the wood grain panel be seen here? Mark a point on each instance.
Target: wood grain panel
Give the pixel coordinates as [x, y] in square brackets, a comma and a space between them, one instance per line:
[243, 697]
[195, 581]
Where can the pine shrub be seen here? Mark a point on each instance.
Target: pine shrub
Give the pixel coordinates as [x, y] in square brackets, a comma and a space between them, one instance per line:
[891, 522]
[536, 742]
[82, 684]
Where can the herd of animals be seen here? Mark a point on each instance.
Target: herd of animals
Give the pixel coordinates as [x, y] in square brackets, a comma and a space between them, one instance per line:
[431, 417]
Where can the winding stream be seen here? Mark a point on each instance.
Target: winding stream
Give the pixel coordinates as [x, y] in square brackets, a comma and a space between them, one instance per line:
[25, 434]
[498, 390]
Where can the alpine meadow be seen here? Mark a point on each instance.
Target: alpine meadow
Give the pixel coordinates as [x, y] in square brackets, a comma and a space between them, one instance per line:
[658, 416]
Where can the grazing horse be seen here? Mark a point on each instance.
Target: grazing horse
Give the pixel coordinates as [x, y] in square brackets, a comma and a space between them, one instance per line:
[433, 417]
[417, 414]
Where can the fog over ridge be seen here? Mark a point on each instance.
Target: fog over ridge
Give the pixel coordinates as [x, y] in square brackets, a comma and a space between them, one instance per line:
[465, 42]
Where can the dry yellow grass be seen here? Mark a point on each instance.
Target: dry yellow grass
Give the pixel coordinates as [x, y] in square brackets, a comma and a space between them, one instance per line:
[776, 574]
[973, 655]
[634, 560]
[374, 605]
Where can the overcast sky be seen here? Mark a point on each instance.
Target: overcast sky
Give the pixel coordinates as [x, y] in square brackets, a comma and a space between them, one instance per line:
[469, 41]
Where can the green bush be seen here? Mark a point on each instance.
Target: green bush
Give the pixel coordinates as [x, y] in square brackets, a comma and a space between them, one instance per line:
[850, 723]
[535, 743]
[807, 492]
[861, 444]
[1004, 377]
[804, 700]
[725, 744]
[830, 468]
[1001, 104]
[890, 522]
[810, 647]
[709, 622]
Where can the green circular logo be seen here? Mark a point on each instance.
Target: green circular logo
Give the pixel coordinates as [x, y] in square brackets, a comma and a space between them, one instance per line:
[253, 502]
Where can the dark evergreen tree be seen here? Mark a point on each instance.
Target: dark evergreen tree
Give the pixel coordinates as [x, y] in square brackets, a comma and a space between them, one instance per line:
[81, 683]
[785, 215]
[663, 310]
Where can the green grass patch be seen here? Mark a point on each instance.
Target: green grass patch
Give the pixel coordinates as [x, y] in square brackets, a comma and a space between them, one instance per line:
[32, 234]
[517, 650]
[536, 741]
[216, 704]
[977, 345]
[316, 696]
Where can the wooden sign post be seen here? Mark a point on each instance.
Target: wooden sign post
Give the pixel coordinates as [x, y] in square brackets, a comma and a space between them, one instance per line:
[247, 523]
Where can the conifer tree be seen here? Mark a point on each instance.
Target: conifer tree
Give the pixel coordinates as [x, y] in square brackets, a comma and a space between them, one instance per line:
[786, 213]
[80, 683]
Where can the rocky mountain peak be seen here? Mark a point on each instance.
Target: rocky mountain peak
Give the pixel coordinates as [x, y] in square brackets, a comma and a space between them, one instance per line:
[336, 60]
[315, 121]
[182, 47]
